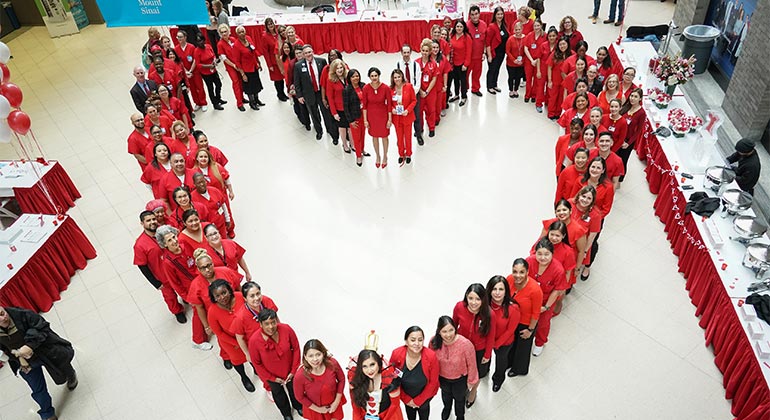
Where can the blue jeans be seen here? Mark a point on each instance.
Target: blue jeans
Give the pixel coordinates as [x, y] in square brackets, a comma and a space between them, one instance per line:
[620, 5]
[36, 381]
[597, 5]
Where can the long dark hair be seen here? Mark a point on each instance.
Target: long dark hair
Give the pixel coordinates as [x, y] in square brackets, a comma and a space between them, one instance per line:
[607, 62]
[359, 385]
[314, 344]
[586, 189]
[443, 321]
[454, 27]
[351, 73]
[506, 303]
[155, 163]
[561, 227]
[602, 177]
[484, 316]
[439, 55]
[503, 23]
[627, 105]
[559, 56]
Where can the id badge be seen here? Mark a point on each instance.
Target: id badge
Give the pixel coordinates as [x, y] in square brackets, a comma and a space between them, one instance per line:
[502, 33]
[426, 78]
[519, 58]
[534, 46]
[304, 69]
[371, 417]
[611, 128]
[400, 109]
[477, 36]
[221, 211]
[189, 59]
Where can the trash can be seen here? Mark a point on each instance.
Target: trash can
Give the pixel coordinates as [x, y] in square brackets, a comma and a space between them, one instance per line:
[8, 7]
[698, 41]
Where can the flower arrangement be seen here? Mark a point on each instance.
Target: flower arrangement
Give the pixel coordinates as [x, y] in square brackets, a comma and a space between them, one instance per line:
[674, 70]
[660, 98]
[681, 123]
[695, 123]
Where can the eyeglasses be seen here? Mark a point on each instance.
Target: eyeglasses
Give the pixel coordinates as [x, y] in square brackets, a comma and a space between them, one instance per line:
[205, 267]
[213, 234]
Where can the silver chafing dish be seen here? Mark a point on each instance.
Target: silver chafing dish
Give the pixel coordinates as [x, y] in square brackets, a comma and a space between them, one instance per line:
[748, 228]
[735, 201]
[757, 258]
[717, 176]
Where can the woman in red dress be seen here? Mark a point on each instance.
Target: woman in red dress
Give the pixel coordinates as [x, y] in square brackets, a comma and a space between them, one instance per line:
[227, 54]
[374, 389]
[419, 378]
[183, 203]
[376, 100]
[555, 78]
[225, 252]
[505, 316]
[549, 274]
[221, 315]
[247, 54]
[319, 383]
[514, 60]
[352, 98]
[616, 124]
[247, 320]
[270, 42]
[156, 169]
[337, 78]
[216, 175]
[532, 54]
[473, 318]
[636, 117]
[402, 108]
[569, 177]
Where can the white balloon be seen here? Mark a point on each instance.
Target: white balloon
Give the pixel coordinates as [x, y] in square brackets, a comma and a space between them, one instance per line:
[5, 131]
[5, 53]
[5, 107]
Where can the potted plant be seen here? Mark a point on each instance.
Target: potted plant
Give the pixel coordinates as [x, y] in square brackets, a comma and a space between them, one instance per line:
[672, 71]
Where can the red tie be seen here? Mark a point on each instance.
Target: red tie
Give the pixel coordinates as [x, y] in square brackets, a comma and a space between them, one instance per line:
[408, 77]
[312, 76]
[146, 89]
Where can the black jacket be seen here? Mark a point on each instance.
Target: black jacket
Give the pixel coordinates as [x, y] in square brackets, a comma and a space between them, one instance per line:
[54, 352]
[139, 96]
[350, 103]
[747, 172]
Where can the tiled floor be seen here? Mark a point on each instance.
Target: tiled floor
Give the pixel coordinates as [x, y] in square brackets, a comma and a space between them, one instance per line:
[344, 249]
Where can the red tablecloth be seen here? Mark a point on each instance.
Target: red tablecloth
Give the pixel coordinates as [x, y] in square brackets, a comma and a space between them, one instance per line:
[60, 186]
[743, 379]
[38, 284]
[361, 36]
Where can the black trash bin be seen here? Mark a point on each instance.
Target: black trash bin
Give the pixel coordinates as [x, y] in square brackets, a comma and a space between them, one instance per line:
[698, 41]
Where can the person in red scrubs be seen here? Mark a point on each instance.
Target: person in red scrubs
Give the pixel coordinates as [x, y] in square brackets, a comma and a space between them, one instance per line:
[496, 38]
[546, 50]
[229, 57]
[419, 379]
[590, 133]
[571, 174]
[247, 56]
[579, 109]
[206, 68]
[462, 47]
[596, 176]
[202, 143]
[174, 106]
[549, 274]
[148, 256]
[183, 202]
[138, 140]
[581, 86]
[557, 235]
[580, 51]
[532, 61]
[442, 81]
[577, 234]
[564, 142]
[569, 83]
[616, 124]
[612, 161]
[275, 354]
[514, 60]
[611, 91]
[156, 170]
[430, 73]
[505, 316]
[186, 53]
[402, 106]
[473, 318]
[247, 319]
[555, 78]
[376, 100]
[477, 29]
[319, 383]
[156, 136]
[221, 316]
[165, 75]
[216, 175]
[225, 252]
[153, 117]
[568, 28]
[214, 201]
[182, 142]
[192, 231]
[158, 207]
[605, 65]
[527, 293]
[270, 42]
[595, 118]
[352, 98]
[371, 381]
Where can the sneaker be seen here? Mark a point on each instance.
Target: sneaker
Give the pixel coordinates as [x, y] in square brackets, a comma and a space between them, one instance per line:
[181, 318]
[204, 108]
[608, 21]
[197, 108]
[539, 109]
[536, 350]
[443, 112]
[205, 346]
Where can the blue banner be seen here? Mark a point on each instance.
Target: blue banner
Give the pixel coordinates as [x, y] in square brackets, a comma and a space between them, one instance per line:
[153, 12]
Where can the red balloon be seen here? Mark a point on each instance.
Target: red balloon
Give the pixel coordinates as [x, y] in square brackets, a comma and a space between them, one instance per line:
[6, 73]
[12, 93]
[19, 121]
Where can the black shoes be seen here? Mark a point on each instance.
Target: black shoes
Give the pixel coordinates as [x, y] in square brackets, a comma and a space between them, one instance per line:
[181, 318]
[260, 103]
[496, 387]
[248, 384]
[228, 364]
[318, 136]
[477, 93]
[335, 141]
[283, 98]
[72, 381]
[469, 404]
[218, 107]
[241, 108]
[462, 102]
[511, 373]
[431, 133]
[420, 141]
[307, 127]
[408, 160]
[400, 160]
[299, 411]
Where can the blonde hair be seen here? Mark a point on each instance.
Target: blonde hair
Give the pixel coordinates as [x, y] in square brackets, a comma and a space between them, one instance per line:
[426, 42]
[175, 124]
[199, 254]
[612, 76]
[333, 70]
[223, 25]
[213, 166]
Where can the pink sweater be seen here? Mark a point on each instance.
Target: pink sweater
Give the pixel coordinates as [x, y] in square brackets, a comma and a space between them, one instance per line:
[457, 359]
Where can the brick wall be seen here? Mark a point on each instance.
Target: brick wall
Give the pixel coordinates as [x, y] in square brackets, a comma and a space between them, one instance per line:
[690, 12]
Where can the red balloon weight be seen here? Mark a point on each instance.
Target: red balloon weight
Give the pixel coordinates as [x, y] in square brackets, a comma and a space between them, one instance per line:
[6, 73]
[19, 121]
[12, 93]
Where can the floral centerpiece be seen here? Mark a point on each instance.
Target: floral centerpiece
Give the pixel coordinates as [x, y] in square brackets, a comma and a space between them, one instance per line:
[673, 71]
[695, 123]
[660, 98]
[679, 122]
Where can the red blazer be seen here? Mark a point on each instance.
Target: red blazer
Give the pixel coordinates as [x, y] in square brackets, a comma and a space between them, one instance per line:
[468, 326]
[248, 57]
[493, 36]
[408, 100]
[334, 96]
[429, 368]
[505, 328]
[461, 50]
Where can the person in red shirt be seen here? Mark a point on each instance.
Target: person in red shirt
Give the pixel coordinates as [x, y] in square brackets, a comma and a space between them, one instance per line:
[477, 29]
[570, 81]
[580, 52]
[178, 175]
[473, 318]
[275, 354]
[605, 65]
[225, 252]
[588, 142]
[247, 320]
[588, 216]
[402, 107]
[156, 170]
[427, 89]
[319, 383]
[156, 136]
[186, 53]
[532, 61]
[546, 50]
[636, 117]
[419, 379]
[138, 140]
[158, 207]
[457, 366]
[579, 109]
[514, 60]
[581, 86]
[166, 76]
[192, 231]
[247, 55]
[596, 176]
[370, 377]
[206, 67]
[627, 83]
[182, 142]
[333, 88]
[505, 316]
[442, 81]
[595, 118]
[526, 292]
[462, 47]
[568, 29]
[523, 16]
[555, 78]
[564, 142]
[148, 256]
[216, 175]
[221, 315]
[214, 202]
[183, 202]
[270, 42]
[497, 38]
[229, 57]
[557, 235]
[604, 150]
[153, 117]
[202, 143]
[550, 275]
[571, 174]
[175, 107]
[616, 124]
[576, 236]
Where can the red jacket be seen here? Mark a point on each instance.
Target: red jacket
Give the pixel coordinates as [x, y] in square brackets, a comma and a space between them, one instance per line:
[461, 50]
[493, 36]
[505, 328]
[478, 34]
[408, 100]
[272, 360]
[468, 326]
[334, 96]
[247, 57]
[429, 368]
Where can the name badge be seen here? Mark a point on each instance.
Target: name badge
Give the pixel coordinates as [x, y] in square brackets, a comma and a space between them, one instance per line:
[189, 58]
[611, 128]
[221, 211]
[426, 78]
[502, 33]
[304, 69]
[478, 35]
[534, 46]
[518, 58]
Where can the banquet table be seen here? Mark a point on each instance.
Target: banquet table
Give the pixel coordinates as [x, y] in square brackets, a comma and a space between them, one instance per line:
[40, 254]
[715, 278]
[19, 180]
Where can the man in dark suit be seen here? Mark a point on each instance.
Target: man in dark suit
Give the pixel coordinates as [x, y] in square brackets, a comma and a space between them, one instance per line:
[307, 85]
[142, 88]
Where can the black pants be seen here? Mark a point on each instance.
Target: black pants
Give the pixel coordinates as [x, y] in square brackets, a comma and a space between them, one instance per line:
[624, 155]
[515, 74]
[314, 106]
[423, 411]
[329, 122]
[483, 368]
[418, 117]
[214, 86]
[279, 89]
[453, 391]
[501, 364]
[493, 72]
[301, 112]
[282, 401]
[521, 351]
[459, 77]
[595, 245]
[213, 35]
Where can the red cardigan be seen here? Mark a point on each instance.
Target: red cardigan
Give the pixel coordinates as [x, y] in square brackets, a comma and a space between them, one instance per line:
[493, 37]
[429, 368]
[461, 50]
[334, 96]
[408, 100]
[505, 328]
[467, 326]
[273, 360]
